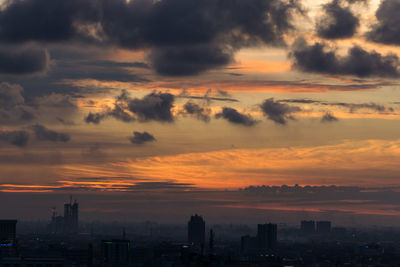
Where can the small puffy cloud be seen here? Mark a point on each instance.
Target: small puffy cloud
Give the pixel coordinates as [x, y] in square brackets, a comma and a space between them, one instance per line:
[193, 109]
[278, 112]
[329, 117]
[155, 106]
[139, 138]
[44, 134]
[235, 117]
[94, 118]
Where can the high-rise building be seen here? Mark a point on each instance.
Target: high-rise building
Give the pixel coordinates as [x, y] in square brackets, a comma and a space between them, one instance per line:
[196, 230]
[71, 217]
[323, 227]
[8, 230]
[267, 235]
[307, 227]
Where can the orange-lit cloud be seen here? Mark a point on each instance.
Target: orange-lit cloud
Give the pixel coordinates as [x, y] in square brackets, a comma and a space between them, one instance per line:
[349, 163]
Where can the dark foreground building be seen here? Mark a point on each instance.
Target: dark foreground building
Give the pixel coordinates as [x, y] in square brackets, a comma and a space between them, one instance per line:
[267, 236]
[196, 230]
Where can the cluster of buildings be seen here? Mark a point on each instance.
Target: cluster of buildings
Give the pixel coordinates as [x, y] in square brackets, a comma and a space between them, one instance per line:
[64, 245]
[67, 224]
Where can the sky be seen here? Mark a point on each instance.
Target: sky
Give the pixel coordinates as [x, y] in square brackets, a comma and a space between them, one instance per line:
[235, 109]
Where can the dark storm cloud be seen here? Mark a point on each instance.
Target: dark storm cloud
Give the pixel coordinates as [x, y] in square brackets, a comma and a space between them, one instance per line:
[16, 138]
[338, 22]
[278, 112]
[113, 64]
[139, 138]
[190, 22]
[319, 58]
[328, 117]
[185, 37]
[193, 109]
[190, 60]
[94, 69]
[42, 20]
[23, 60]
[387, 28]
[44, 134]
[235, 117]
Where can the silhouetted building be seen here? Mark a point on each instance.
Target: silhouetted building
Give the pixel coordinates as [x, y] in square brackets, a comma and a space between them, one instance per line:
[56, 225]
[115, 252]
[8, 231]
[307, 227]
[267, 235]
[323, 227]
[211, 243]
[196, 230]
[71, 214]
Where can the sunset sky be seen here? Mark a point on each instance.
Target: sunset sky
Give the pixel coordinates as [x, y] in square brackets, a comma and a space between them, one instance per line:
[156, 109]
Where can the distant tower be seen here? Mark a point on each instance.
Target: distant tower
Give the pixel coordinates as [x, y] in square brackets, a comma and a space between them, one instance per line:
[71, 217]
[267, 235]
[211, 248]
[196, 230]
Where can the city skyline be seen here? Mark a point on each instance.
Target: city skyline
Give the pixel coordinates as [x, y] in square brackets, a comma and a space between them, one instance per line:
[154, 110]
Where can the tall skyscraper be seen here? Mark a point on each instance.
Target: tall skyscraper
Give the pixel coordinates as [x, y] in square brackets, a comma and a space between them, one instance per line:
[307, 227]
[267, 235]
[196, 230]
[71, 217]
[323, 227]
